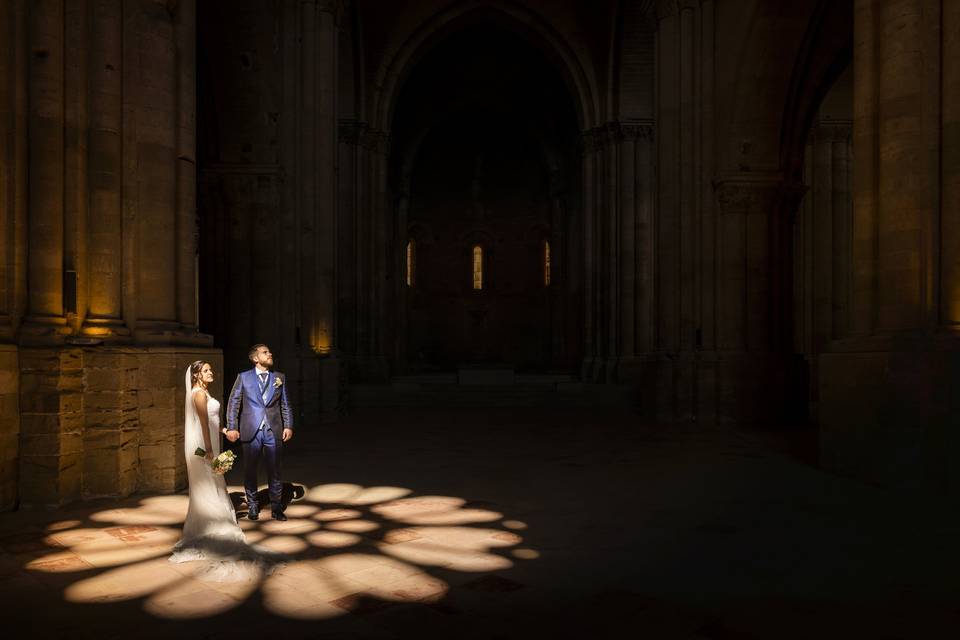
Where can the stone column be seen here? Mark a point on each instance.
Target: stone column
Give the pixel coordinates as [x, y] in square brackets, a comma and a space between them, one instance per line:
[316, 172]
[307, 171]
[629, 295]
[950, 170]
[378, 154]
[76, 194]
[887, 408]
[350, 165]
[591, 145]
[822, 247]
[46, 168]
[13, 166]
[104, 315]
[155, 179]
[327, 345]
[679, 370]
[751, 355]
[562, 279]
[186, 170]
[13, 242]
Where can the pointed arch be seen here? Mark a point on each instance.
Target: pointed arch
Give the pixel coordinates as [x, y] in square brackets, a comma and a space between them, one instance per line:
[395, 68]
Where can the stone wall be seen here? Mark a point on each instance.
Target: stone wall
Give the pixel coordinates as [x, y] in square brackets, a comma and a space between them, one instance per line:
[9, 425]
[98, 273]
[103, 421]
[886, 386]
[160, 406]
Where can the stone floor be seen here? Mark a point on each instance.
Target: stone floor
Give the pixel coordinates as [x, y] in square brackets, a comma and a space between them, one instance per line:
[510, 524]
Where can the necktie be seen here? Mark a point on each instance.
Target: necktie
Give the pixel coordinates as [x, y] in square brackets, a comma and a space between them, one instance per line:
[263, 394]
[263, 386]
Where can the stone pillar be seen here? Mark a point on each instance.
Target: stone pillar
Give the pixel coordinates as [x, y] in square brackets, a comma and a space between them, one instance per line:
[677, 366]
[822, 248]
[751, 358]
[98, 251]
[327, 344]
[13, 242]
[350, 290]
[152, 43]
[887, 393]
[186, 169]
[950, 170]
[104, 315]
[13, 166]
[623, 228]
[317, 204]
[46, 168]
[374, 219]
[76, 194]
[308, 204]
[591, 145]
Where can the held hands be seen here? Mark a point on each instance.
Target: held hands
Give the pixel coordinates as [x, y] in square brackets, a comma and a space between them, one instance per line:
[232, 436]
[287, 434]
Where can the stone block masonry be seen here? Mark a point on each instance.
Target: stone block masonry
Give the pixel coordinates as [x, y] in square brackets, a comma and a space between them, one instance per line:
[9, 425]
[93, 421]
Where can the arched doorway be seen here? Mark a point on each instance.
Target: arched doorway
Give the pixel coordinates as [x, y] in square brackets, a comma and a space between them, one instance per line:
[484, 173]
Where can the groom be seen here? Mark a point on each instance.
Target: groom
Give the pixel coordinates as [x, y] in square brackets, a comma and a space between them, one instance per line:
[259, 400]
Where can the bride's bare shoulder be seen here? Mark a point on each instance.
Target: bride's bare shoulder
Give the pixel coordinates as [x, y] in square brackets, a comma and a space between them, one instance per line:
[199, 396]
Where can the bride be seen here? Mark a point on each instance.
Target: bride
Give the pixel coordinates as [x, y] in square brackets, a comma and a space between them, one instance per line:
[211, 532]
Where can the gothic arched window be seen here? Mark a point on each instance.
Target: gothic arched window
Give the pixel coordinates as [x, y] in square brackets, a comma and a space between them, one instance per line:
[411, 261]
[477, 267]
[546, 263]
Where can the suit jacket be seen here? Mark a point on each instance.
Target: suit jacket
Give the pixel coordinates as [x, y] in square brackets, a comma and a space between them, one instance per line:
[247, 407]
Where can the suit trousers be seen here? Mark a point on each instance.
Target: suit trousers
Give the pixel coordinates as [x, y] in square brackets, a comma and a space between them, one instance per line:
[265, 445]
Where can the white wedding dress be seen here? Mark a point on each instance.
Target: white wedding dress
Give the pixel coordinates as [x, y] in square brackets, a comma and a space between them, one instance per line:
[211, 532]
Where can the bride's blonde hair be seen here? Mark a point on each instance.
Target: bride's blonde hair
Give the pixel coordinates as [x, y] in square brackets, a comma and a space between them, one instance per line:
[195, 369]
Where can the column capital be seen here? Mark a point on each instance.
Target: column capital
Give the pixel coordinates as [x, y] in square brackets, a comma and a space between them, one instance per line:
[832, 131]
[638, 130]
[598, 138]
[669, 8]
[336, 7]
[757, 194]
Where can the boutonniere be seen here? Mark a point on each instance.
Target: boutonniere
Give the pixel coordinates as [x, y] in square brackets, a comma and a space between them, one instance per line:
[277, 383]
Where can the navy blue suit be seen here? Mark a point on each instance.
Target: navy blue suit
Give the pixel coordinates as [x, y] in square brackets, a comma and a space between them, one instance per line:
[260, 411]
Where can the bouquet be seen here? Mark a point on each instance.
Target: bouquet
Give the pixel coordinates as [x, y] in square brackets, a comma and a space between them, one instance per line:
[221, 464]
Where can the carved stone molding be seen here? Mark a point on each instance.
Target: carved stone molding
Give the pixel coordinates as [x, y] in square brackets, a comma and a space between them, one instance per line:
[759, 196]
[666, 9]
[636, 130]
[599, 138]
[832, 131]
[337, 7]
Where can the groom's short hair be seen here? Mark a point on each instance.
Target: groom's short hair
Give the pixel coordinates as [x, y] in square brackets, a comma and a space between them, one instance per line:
[253, 350]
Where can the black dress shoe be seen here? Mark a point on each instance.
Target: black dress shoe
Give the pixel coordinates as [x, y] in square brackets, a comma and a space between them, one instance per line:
[278, 515]
[253, 515]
